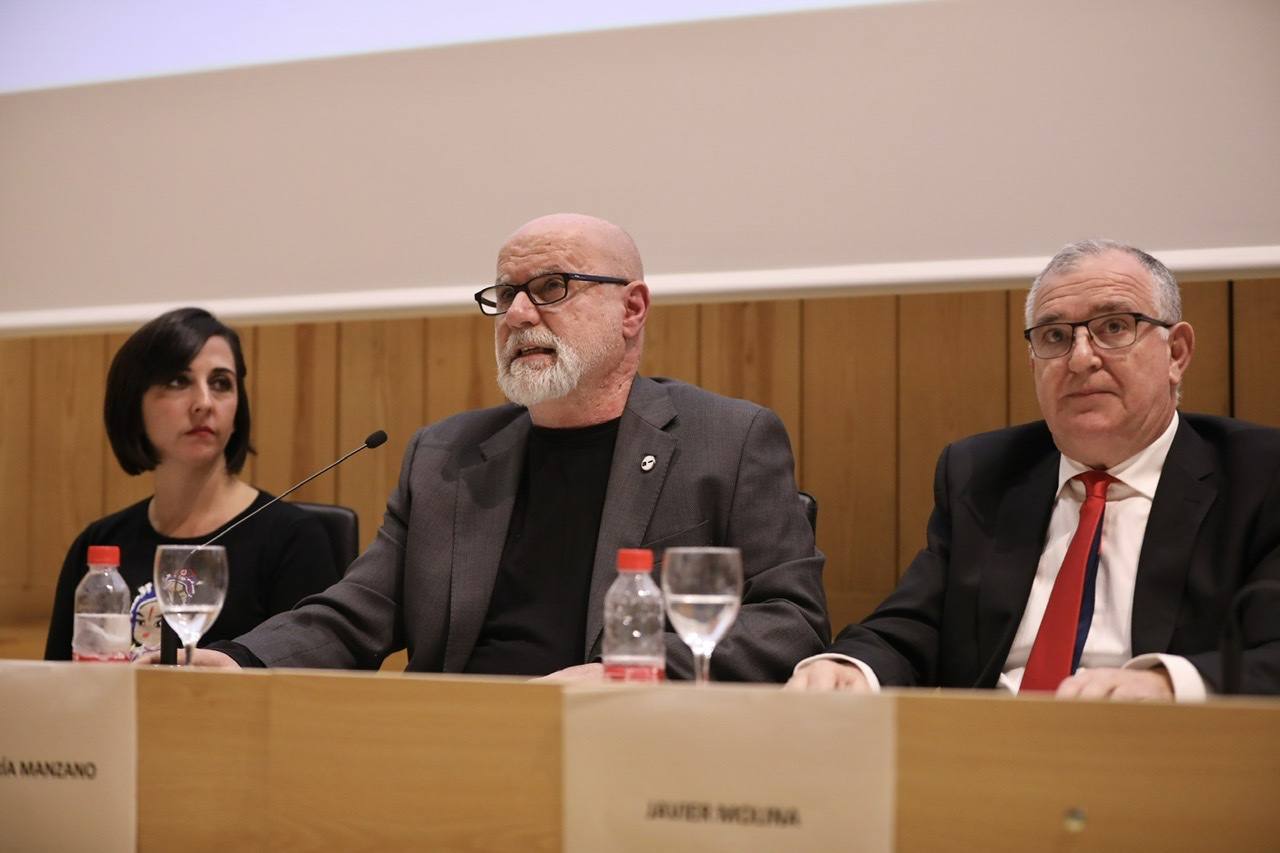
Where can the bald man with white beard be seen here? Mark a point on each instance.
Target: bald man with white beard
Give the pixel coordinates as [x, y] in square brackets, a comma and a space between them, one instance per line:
[500, 539]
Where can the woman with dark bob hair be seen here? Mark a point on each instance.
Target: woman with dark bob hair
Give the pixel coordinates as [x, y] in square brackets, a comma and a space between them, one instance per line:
[176, 405]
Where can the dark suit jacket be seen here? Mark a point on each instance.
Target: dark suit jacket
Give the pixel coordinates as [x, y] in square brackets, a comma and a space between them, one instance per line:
[1214, 527]
[723, 476]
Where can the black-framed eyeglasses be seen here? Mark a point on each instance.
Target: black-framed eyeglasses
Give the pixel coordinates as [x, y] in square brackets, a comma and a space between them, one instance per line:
[545, 289]
[1109, 331]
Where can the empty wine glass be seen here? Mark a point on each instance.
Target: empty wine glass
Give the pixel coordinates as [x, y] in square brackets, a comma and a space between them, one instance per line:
[702, 588]
[190, 584]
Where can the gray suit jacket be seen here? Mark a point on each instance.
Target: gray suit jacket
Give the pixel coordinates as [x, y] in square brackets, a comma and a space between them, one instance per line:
[724, 476]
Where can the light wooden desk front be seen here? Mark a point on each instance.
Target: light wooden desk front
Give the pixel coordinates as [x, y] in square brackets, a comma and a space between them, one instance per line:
[337, 761]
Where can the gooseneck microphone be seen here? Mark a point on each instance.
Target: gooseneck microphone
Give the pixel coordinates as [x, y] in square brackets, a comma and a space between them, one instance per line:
[375, 439]
[168, 637]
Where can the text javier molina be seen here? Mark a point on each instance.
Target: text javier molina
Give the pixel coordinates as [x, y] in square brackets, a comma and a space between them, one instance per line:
[739, 814]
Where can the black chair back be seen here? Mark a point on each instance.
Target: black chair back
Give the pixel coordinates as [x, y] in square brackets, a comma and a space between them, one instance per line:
[343, 526]
[810, 504]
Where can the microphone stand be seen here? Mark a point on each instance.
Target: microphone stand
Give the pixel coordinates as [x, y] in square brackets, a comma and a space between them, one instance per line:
[169, 643]
[375, 439]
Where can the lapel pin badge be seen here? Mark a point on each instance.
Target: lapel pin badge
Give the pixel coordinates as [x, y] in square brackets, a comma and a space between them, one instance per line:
[647, 463]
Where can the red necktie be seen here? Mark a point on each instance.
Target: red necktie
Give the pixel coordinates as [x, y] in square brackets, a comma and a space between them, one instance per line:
[1050, 659]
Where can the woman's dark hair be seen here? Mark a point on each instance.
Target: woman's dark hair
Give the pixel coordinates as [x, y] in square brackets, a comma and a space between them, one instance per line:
[159, 351]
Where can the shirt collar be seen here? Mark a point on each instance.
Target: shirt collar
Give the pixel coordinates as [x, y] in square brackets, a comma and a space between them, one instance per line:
[1140, 472]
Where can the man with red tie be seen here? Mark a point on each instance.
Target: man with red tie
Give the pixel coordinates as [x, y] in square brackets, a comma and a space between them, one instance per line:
[1094, 554]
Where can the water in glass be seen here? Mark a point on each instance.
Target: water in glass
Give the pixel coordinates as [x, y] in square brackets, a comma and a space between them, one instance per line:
[191, 585]
[701, 620]
[703, 591]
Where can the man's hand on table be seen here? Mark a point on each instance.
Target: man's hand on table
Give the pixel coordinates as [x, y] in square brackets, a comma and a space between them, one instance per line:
[1129, 684]
[829, 675]
[202, 657]
[583, 672]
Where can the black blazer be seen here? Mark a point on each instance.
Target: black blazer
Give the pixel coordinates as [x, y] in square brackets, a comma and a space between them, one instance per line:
[1214, 527]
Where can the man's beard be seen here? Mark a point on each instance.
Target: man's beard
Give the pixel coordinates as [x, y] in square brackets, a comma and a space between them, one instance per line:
[527, 385]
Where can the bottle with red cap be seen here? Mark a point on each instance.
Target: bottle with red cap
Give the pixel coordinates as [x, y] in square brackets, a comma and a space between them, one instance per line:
[634, 646]
[103, 630]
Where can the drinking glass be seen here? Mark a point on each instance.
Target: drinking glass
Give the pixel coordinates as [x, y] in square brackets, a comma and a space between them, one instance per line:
[702, 588]
[190, 584]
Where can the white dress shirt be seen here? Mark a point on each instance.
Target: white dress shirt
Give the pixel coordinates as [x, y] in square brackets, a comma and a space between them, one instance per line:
[1124, 525]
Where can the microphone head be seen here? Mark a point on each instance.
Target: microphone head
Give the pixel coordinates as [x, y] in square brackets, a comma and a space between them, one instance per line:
[375, 439]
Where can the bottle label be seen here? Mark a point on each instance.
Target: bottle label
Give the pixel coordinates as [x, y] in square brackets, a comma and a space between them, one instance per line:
[119, 657]
[632, 673]
[101, 637]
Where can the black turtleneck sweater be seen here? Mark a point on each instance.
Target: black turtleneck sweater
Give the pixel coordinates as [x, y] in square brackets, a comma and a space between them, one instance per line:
[536, 622]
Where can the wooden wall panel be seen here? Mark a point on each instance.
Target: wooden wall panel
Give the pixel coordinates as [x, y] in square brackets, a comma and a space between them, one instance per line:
[1023, 407]
[249, 347]
[381, 385]
[952, 382]
[23, 634]
[461, 371]
[752, 350]
[17, 486]
[672, 343]
[867, 421]
[1256, 316]
[1206, 305]
[295, 408]
[119, 490]
[66, 458]
[850, 447]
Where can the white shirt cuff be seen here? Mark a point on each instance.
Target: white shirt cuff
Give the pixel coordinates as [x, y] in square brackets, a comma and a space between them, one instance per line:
[867, 671]
[1188, 685]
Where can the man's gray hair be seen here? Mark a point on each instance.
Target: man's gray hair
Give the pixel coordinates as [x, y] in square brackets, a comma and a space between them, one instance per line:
[1168, 300]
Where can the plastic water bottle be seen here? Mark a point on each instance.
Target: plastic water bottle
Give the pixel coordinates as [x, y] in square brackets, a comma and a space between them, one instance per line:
[634, 647]
[103, 630]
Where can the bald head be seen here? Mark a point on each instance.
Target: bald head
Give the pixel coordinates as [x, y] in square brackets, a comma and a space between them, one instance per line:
[570, 360]
[581, 235]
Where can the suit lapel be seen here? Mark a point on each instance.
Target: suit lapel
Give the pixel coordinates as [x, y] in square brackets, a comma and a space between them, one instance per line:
[1182, 500]
[633, 491]
[486, 496]
[1021, 522]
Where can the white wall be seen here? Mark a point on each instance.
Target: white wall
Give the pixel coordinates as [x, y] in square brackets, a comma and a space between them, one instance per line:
[49, 43]
[819, 144]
